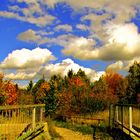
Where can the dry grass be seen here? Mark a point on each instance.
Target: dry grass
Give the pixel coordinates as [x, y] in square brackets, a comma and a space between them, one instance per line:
[104, 115]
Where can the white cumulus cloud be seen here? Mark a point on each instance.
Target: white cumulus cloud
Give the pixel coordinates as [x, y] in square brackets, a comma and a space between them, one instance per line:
[20, 76]
[25, 58]
[64, 27]
[66, 65]
[29, 36]
[123, 44]
[115, 66]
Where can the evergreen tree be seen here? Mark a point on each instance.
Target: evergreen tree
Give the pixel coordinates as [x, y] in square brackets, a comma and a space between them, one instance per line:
[30, 86]
[36, 87]
[133, 83]
[50, 101]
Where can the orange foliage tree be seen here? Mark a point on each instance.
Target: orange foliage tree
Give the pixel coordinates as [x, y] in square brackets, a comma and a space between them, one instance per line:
[41, 93]
[8, 92]
[116, 83]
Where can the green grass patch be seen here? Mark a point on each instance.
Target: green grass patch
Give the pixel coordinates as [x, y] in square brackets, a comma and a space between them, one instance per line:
[84, 129]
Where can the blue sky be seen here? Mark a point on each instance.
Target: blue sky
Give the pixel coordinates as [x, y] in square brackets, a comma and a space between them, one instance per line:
[52, 36]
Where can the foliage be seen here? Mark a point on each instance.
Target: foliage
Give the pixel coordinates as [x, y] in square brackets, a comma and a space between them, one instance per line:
[36, 87]
[24, 97]
[30, 86]
[75, 93]
[8, 92]
[113, 80]
[41, 93]
[133, 83]
[50, 101]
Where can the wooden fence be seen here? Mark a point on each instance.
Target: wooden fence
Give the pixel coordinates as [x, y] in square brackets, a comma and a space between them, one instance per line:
[127, 118]
[17, 119]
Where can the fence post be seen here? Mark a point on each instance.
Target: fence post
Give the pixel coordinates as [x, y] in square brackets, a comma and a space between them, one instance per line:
[117, 117]
[33, 117]
[41, 114]
[111, 108]
[130, 117]
[122, 117]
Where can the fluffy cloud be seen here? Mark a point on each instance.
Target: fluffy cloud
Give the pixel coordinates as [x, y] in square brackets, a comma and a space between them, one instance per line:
[115, 66]
[64, 27]
[51, 3]
[33, 13]
[122, 65]
[39, 37]
[79, 48]
[97, 26]
[98, 75]
[21, 76]
[39, 21]
[102, 12]
[29, 36]
[123, 44]
[24, 59]
[51, 69]
[82, 27]
[66, 65]
[121, 10]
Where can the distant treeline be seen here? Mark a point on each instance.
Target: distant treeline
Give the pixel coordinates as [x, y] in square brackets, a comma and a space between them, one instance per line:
[75, 93]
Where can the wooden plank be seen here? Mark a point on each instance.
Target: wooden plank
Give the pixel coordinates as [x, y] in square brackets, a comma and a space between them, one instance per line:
[136, 128]
[20, 106]
[131, 131]
[32, 134]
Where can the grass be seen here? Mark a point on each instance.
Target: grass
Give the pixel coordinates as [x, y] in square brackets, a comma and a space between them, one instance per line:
[87, 126]
[104, 115]
[75, 127]
[85, 129]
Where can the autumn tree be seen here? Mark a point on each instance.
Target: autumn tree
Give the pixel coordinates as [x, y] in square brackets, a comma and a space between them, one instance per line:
[42, 92]
[100, 97]
[112, 79]
[2, 92]
[8, 92]
[24, 97]
[110, 88]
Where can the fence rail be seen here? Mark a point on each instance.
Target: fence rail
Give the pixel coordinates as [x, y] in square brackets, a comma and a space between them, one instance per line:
[15, 119]
[126, 117]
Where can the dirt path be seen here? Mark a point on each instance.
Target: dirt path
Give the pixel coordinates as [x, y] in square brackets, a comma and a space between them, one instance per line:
[68, 134]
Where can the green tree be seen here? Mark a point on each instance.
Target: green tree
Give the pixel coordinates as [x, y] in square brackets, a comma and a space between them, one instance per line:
[30, 86]
[50, 101]
[70, 73]
[133, 83]
[36, 87]
[82, 74]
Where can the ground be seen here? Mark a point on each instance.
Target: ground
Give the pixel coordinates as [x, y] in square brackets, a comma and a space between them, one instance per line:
[67, 134]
